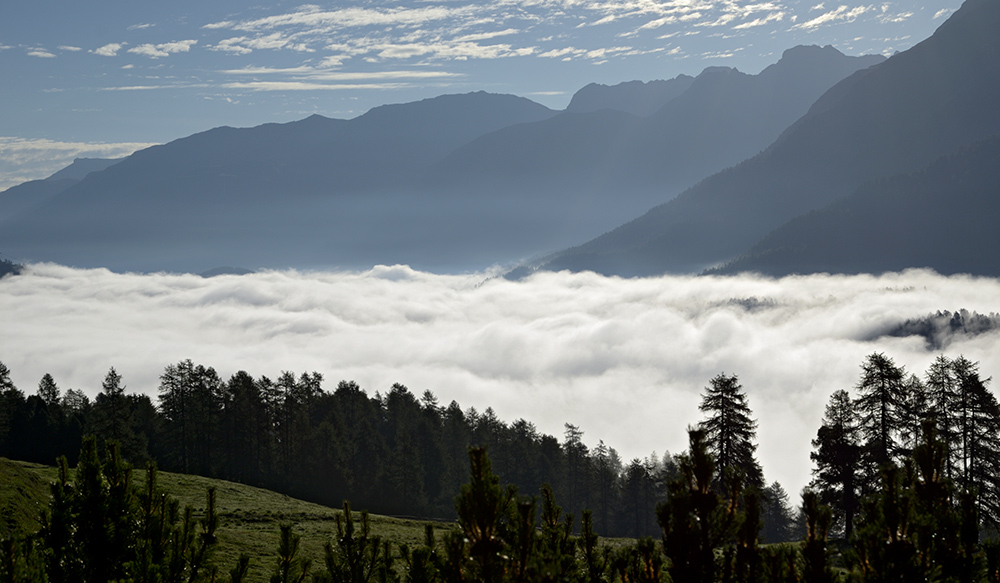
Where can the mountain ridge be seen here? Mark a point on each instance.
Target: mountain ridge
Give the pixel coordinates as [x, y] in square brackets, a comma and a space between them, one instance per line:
[893, 117]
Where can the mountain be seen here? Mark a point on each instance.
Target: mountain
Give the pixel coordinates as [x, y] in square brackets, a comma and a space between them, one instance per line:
[317, 191]
[943, 217]
[896, 117]
[636, 97]
[614, 165]
[27, 195]
[453, 183]
[82, 167]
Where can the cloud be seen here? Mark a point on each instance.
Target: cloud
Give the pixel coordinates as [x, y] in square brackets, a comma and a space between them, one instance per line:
[41, 53]
[331, 75]
[109, 50]
[70, 49]
[164, 49]
[32, 159]
[840, 14]
[626, 360]
[141, 26]
[308, 86]
[312, 17]
[942, 13]
[773, 17]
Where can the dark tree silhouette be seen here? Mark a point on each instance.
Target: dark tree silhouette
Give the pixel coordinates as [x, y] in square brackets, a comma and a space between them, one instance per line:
[730, 431]
[881, 404]
[837, 459]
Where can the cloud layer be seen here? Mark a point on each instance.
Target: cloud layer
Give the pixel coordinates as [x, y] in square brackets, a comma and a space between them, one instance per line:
[626, 360]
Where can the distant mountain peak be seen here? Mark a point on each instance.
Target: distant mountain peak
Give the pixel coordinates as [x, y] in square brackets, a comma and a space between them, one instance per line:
[639, 98]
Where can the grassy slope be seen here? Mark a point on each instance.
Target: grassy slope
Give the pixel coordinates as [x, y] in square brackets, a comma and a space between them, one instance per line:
[249, 517]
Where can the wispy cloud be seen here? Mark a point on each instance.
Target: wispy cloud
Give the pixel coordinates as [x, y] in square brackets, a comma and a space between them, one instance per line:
[840, 14]
[41, 53]
[626, 360]
[314, 18]
[70, 49]
[308, 86]
[773, 17]
[24, 159]
[163, 49]
[331, 75]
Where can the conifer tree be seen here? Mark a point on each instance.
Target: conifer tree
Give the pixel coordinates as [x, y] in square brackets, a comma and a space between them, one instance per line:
[481, 507]
[837, 459]
[695, 519]
[48, 390]
[880, 406]
[730, 431]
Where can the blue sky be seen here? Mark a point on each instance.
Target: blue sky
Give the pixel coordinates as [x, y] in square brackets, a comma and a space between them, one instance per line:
[103, 78]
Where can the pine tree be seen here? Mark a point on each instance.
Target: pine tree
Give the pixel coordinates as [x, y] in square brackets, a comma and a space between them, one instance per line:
[730, 432]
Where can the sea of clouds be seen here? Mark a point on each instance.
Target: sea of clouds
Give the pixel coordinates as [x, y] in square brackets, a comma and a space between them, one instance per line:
[626, 360]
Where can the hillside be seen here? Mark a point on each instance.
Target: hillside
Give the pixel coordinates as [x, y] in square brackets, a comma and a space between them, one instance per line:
[896, 117]
[943, 217]
[249, 517]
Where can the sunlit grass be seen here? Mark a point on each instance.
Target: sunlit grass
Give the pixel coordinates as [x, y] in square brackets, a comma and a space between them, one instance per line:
[249, 517]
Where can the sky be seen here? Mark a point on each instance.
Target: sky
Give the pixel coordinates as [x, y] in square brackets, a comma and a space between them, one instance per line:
[625, 360]
[107, 77]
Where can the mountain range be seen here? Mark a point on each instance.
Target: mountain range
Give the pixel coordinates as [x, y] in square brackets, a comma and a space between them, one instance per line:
[456, 182]
[877, 138]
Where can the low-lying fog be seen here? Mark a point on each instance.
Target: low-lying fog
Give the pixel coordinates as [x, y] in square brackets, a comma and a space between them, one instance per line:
[625, 360]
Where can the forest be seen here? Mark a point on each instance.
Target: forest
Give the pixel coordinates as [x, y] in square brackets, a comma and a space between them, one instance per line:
[905, 474]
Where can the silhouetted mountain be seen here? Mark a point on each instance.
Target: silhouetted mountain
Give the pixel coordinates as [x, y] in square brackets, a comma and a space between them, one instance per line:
[27, 195]
[614, 165]
[313, 192]
[895, 117]
[82, 167]
[635, 97]
[944, 217]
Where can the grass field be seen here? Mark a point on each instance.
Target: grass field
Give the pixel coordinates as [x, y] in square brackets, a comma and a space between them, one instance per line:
[248, 517]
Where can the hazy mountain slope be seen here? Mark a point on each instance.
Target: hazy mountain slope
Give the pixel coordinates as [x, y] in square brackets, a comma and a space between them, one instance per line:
[944, 217]
[627, 163]
[27, 195]
[82, 167]
[897, 116]
[635, 97]
[313, 192]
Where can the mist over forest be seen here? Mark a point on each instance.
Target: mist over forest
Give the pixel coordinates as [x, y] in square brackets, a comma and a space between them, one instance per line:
[625, 360]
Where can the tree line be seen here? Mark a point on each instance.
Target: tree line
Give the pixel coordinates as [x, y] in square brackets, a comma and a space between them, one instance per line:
[392, 453]
[917, 527]
[398, 454]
